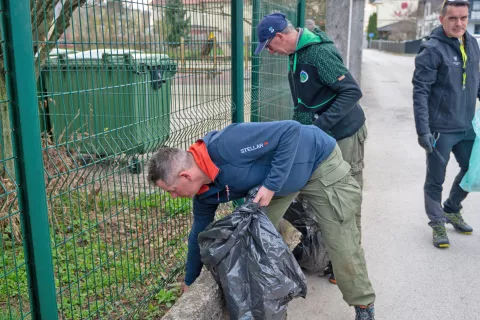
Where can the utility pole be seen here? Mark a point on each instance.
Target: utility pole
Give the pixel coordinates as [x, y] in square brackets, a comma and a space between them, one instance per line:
[345, 27]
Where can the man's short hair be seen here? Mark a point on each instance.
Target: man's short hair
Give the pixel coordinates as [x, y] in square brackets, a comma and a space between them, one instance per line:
[453, 3]
[289, 28]
[167, 163]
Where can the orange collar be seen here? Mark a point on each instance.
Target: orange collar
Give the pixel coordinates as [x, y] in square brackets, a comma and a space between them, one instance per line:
[203, 160]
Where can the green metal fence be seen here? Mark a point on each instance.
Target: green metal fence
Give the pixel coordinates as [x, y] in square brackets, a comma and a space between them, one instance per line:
[83, 235]
[14, 290]
[270, 91]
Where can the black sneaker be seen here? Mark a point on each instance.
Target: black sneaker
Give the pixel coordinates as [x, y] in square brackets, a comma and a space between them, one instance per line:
[365, 312]
[329, 271]
[456, 220]
[440, 239]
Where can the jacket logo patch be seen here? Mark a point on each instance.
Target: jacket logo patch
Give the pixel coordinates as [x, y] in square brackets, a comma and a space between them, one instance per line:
[252, 148]
[303, 76]
[455, 61]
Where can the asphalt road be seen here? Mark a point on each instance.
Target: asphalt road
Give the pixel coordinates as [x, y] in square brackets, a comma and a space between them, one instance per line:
[412, 279]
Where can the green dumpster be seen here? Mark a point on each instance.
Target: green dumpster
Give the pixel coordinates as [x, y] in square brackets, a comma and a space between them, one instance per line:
[109, 103]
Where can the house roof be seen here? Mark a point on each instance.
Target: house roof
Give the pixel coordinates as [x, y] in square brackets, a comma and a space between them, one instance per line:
[396, 26]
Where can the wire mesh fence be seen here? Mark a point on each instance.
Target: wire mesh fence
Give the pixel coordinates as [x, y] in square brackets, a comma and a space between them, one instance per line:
[270, 91]
[115, 80]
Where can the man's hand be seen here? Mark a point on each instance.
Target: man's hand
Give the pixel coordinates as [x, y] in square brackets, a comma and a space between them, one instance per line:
[185, 288]
[426, 142]
[264, 196]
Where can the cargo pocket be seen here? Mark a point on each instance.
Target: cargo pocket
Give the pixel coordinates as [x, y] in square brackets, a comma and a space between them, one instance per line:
[345, 197]
[340, 231]
[362, 134]
[343, 193]
[357, 162]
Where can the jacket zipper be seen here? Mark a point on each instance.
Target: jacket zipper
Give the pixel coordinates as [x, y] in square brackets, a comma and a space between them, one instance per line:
[292, 74]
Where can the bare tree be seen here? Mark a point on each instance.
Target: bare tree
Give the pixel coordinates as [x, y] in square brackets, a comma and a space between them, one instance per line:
[315, 10]
[115, 25]
[47, 27]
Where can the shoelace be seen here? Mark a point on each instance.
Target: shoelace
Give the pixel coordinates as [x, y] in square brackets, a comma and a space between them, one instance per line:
[441, 231]
[460, 220]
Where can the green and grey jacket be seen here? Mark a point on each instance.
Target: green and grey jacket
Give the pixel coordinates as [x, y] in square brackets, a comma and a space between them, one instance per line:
[323, 90]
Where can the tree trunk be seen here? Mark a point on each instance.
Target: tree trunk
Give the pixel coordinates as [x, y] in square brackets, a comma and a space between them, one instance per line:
[42, 12]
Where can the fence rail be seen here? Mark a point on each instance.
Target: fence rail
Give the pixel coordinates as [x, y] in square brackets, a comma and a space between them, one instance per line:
[92, 88]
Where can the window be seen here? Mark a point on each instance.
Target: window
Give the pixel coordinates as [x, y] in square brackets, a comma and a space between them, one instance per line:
[477, 29]
[476, 6]
[475, 11]
[475, 15]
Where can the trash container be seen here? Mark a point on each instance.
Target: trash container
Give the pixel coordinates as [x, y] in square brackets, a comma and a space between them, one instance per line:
[109, 102]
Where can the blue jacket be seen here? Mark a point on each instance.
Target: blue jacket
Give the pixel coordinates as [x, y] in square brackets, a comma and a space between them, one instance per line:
[252, 154]
[442, 102]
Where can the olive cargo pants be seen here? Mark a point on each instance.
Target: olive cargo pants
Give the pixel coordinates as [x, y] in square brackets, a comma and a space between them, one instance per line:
[335, 197]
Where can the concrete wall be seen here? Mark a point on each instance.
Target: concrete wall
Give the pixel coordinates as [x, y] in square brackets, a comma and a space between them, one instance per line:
[204, 301]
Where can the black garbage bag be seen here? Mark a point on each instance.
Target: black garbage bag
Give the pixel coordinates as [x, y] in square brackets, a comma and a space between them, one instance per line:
[251, 262]
[311, 253]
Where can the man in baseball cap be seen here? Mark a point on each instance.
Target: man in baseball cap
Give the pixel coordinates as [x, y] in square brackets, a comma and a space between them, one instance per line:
[268, 28]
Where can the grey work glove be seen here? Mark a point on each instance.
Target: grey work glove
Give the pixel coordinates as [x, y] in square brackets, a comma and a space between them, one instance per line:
[426, 142]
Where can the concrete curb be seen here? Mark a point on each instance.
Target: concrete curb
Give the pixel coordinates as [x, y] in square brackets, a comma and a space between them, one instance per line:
[203, 301]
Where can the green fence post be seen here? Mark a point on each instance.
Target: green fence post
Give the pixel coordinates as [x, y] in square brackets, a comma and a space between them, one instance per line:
[255, 62]
[237, 62]
[28, 148]
[301, 13]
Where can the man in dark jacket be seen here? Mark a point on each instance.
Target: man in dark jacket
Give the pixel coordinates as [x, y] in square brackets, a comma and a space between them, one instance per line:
[446, 85]
[324, 92]
[226, 164]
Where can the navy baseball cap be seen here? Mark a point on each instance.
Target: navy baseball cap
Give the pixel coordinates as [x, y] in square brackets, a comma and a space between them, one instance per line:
[267, 29]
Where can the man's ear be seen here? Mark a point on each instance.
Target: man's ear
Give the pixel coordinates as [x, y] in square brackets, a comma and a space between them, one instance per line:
[185, 174]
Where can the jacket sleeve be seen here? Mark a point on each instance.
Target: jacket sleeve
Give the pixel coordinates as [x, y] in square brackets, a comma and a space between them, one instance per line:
[425, 74]
[203, 215]
[347, 93]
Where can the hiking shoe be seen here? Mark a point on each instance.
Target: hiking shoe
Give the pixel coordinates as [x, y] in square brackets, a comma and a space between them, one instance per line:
[440, 239]
[456, 220]
[365, 312]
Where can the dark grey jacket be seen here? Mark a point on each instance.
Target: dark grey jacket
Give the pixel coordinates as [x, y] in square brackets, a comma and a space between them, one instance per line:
[441, 102]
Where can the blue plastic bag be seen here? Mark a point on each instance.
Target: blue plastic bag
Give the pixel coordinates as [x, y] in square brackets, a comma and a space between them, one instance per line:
[471, 180]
